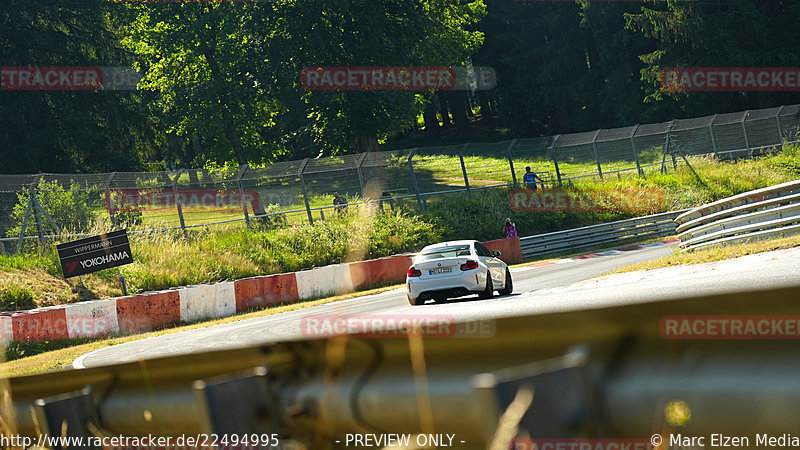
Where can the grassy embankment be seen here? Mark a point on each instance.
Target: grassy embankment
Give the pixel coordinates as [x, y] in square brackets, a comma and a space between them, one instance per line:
[167, 259]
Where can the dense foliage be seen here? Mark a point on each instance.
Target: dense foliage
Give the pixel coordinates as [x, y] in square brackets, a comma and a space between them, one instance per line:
[221, 79]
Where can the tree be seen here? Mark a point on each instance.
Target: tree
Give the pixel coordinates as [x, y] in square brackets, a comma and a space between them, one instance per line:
[368, 33]
[68, 131]
[233, 69]
[734, 33]
[541, 56]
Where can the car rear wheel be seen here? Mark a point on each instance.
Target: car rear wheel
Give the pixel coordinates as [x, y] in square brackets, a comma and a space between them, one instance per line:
[509, 287]
[414, 302]
[489, 291]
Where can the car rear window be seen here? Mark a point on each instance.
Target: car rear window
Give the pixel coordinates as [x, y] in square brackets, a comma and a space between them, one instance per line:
[443, 252]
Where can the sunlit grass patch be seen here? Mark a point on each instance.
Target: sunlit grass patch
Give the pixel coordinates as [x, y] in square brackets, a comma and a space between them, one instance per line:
[714, 254]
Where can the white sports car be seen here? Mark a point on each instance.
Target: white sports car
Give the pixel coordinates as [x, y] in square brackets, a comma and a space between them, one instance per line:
[454, 269]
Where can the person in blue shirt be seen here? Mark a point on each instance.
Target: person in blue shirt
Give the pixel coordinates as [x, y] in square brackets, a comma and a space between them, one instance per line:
[529, 179]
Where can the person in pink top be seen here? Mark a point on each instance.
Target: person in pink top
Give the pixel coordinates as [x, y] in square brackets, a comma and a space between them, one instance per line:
[510, 230]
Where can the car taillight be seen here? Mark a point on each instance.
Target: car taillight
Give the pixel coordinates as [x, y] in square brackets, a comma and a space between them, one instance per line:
[412, 272]
[469, 265]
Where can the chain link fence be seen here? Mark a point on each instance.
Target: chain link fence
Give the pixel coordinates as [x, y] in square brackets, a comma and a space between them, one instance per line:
[281, 194]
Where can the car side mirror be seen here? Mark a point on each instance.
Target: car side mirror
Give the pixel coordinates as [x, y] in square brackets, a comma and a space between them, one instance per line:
[496, 253]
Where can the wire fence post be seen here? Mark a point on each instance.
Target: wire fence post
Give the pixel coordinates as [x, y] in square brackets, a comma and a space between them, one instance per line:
[303, 187]
[37, 214]
[242, 169]
[555, 158]
[635, 153]
[597, 155]
[24, 226]
[2, 248]
[711, 132]
[178, 202]
[666, 147]
[464, 168]
[420, 202]
[360, 175]
[511, 160]
[780, 126]
[744, 129]
[109, 205]
[49, 219]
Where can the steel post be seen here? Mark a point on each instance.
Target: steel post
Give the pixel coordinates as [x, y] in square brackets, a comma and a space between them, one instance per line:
[464, 168]
[242, 169]
[411, 154]
[511, 160]
[555, 158]
[596, 154]
[635, 153]
[303, 187]
[178, 202]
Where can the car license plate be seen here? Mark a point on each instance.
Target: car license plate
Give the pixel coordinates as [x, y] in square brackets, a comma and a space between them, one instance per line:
[440, 270]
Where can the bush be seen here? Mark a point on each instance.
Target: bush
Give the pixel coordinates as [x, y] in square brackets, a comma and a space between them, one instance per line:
[69, 209]
[787, 160]
[128, 216]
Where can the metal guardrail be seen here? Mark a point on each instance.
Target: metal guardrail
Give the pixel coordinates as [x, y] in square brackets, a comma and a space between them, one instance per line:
[657, 225]
[751, 216]
[609, 370]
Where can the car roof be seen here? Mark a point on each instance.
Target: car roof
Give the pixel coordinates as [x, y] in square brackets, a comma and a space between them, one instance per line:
[450, 244]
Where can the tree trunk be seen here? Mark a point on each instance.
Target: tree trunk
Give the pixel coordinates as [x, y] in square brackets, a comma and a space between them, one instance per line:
[487, 112]
[443, 109]
[468, 105]
[431, 121]
[231, 133]
[368, 144]
[457, 102]
[194, 150]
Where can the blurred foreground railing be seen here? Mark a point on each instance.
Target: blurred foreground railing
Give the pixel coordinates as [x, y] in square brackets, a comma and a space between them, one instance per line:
[603, 373]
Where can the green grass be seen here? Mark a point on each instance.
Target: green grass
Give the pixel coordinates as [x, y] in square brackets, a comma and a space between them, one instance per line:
[436, 169]
[481, 216]
[167, 259]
